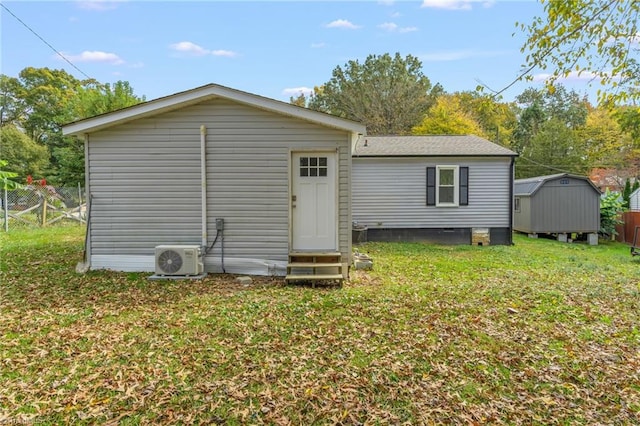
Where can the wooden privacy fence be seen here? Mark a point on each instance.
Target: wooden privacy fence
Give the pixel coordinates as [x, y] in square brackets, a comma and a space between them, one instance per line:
[626, 229]
[42, 206]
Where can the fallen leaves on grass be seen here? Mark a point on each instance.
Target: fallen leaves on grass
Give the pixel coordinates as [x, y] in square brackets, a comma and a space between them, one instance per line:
[419, 340]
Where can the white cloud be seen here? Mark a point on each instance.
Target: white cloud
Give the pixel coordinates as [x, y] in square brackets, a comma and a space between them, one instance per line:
[386, 2]
[573, 76]
[457, 55]
[295, 91]
[95, 56]
[225, 53]
[138, 64]
[318, 45]
[192, 49]
[342, 23]
[188, 47]
[393, 27]
[396, 14]
[456, 4]
[388, 26]
[98, 5]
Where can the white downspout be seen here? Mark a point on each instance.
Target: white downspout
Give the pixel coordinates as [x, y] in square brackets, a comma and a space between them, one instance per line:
[203, 177]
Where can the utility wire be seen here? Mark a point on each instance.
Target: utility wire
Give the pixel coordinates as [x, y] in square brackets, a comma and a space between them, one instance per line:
[45, 41]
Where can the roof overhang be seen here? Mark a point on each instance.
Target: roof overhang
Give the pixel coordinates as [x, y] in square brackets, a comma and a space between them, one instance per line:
[201, 94]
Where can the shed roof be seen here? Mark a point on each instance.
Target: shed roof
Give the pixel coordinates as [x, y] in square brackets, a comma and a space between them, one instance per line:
[429, 146]
[200, 94]
[529, 186]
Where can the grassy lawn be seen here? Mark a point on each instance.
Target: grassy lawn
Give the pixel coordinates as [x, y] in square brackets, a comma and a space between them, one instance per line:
[538, 333]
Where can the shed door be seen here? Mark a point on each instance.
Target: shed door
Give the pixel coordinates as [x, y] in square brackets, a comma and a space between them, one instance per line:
[313, 201]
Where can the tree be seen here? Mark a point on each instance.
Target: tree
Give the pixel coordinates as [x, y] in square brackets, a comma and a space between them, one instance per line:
[301, 100]
[596, 38]
[387, 94]
[40, 100]
[606, 144]
[448, 117]
[23, 155]
[555, 148]
[95, 99]
[497, 119]
[540, 106]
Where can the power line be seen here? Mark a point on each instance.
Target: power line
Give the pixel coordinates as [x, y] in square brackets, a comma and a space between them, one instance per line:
[45, 41]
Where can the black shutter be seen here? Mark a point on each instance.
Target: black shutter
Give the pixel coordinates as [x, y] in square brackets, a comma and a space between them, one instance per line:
[464, 186]
[431, 186]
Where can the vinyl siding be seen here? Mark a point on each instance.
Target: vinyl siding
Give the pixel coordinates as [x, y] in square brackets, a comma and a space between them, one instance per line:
[391, 193]
[634, 201]
[145, 180]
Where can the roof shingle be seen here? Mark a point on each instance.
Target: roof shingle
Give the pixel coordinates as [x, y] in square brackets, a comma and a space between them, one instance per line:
[429, 146]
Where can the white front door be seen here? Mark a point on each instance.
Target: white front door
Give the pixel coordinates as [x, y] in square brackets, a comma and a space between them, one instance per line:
[313, 201]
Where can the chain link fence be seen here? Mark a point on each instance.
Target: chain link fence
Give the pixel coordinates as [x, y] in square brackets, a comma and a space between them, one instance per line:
[38, 206]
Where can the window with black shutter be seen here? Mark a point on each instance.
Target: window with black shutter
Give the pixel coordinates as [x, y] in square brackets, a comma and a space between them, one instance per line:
[447, 186]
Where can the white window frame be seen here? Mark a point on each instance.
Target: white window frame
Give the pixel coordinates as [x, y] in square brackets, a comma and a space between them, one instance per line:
[456, 186]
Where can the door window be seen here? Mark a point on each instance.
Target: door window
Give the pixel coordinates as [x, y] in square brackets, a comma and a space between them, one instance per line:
[313, 166]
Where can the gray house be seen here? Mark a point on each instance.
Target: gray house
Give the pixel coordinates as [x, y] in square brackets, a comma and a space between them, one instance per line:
[634, 201]
[557, 204]
[263, 179]
[446, 189]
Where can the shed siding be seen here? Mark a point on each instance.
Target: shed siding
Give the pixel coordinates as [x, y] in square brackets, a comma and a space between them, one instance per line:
[391, 193]
[564, 208]
[522, 218]
[145, 180]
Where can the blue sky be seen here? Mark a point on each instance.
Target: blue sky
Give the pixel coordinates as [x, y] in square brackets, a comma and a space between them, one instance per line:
[274, 49]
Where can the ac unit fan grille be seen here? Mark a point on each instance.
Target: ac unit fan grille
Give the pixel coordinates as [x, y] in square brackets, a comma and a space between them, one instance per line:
[170, 261]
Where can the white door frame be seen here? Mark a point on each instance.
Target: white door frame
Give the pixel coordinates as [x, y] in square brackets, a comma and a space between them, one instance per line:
[293, 169]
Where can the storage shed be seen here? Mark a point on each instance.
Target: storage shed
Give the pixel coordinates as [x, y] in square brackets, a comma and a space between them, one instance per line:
[450, 189]
[634, 201]
[249, 181]
[558, 204]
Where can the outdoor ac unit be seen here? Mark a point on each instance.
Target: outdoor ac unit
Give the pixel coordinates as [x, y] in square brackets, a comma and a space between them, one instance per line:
[178, 260]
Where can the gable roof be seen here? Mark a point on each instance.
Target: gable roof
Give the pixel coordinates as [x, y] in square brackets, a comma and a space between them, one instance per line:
[429, 146]
[200, 94]
[530, 186]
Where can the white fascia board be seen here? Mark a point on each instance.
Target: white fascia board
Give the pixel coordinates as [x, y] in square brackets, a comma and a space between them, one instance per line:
[200, 94]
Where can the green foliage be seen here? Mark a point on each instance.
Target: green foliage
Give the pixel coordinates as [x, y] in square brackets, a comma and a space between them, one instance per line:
[547, 134]
[40, 100]
[98, 98]
[23, 155]
[611, 208]
[626, 194]
[7, 177]
[387, 94]
[600, 41]
[555, 147]
[71, 161]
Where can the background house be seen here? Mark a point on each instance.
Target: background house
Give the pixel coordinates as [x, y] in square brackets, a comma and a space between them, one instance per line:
[634, 201]
[557, 204]
[268, 178]
[433, 188]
